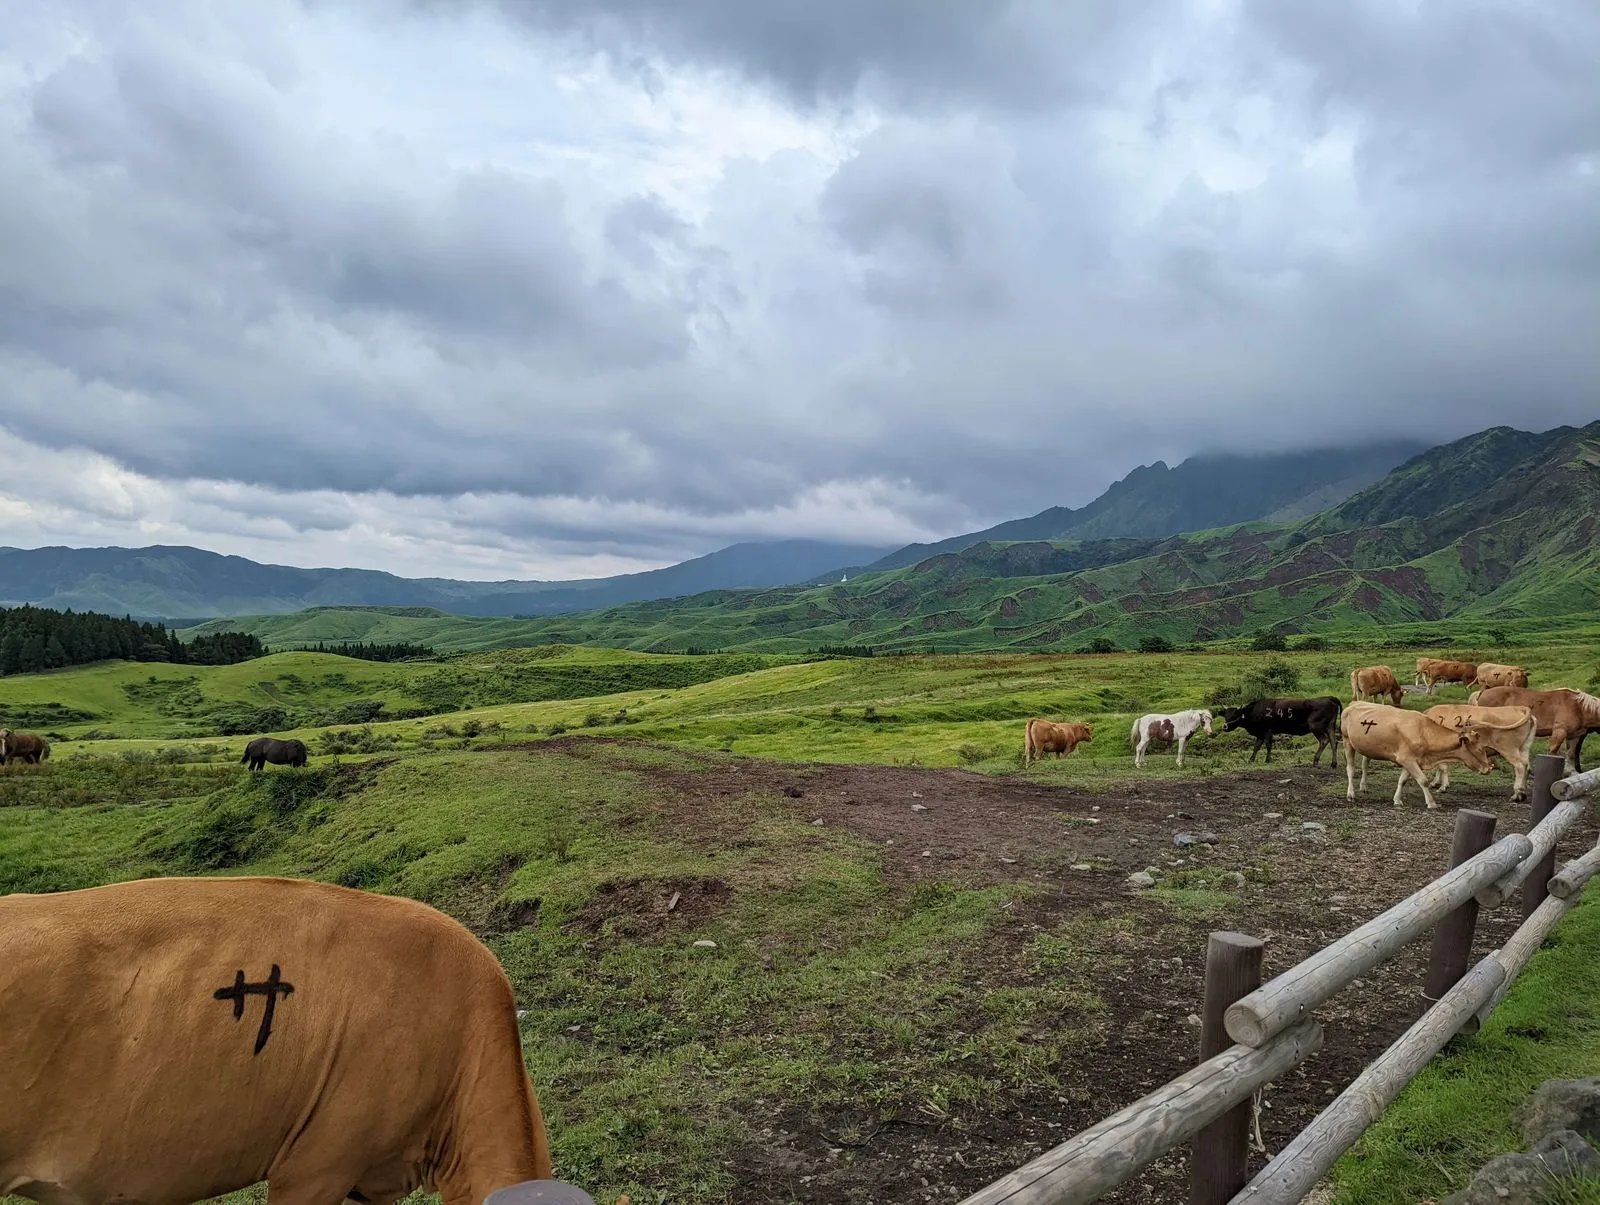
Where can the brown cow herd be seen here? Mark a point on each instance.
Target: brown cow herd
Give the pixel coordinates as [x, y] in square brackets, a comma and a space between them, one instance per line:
[1502, 718]
[261, 1013]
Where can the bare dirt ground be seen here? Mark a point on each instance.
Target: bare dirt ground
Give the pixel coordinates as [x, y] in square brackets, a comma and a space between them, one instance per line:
[955, 825]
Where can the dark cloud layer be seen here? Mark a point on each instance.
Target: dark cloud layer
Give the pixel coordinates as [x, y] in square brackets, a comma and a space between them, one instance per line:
[424, 269]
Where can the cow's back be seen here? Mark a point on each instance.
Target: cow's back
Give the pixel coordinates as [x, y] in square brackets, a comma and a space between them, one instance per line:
[134, 1055]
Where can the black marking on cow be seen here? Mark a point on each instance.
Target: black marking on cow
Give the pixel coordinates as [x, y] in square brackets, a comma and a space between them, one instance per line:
[271, 989]
[1367, 724]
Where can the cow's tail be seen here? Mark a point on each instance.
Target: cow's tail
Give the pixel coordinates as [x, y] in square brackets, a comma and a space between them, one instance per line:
[1355, 685]
[1027, 742]
[245, 760]
[1133, 735]
[44, 750]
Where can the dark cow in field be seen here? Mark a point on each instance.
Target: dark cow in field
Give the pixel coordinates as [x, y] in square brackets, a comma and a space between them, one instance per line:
[1267, 718]
[266, 749]
[22, 746]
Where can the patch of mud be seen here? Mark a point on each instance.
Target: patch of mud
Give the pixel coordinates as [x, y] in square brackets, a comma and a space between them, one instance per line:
[1143, 954]
[649, 907]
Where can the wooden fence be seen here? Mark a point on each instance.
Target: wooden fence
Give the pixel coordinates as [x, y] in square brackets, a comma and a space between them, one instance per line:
[1252, 1033]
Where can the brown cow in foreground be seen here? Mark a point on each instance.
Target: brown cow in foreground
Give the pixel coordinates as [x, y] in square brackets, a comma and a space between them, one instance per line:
[169, 1040]
[1373, 682]
[1431, 671]
[1508, 731]
[1563, 715]
[1409, 740]
[22, 746]
[1490, 675]
[1043, 737]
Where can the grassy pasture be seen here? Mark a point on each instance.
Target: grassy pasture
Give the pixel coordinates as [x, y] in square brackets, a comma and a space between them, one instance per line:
[895, 995]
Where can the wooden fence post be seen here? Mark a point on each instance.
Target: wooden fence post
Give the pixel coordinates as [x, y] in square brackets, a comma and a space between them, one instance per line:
[1220, 1154]
[1547, 769]
[1452, 936]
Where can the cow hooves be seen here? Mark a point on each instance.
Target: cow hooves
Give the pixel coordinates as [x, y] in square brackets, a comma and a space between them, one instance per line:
[539, 1192]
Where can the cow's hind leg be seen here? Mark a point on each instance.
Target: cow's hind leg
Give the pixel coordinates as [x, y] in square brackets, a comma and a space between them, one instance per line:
[1349, 774]
[324, 1189]
[1182, 741]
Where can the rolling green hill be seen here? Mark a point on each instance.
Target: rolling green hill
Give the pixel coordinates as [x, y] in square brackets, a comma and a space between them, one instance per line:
[1496, 533]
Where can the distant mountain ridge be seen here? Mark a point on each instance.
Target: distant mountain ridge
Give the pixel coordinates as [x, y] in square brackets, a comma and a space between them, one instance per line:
[1206, 491]
[168, 582]
[177, 581]
[1498, 531]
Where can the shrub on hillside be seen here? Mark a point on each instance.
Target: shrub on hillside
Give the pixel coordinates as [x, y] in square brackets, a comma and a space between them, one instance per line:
[1311, 644]
[1099, 645]
[1268, 641]
[1154, 644]
[1275, 679]
[247, 721]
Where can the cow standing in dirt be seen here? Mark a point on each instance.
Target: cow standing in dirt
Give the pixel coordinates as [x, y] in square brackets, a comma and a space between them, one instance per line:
[1407, 739]
[1179, 726]
[1044, 736]
[168, 1040]
[1565, 716]
[1266, 718]
[1507, 731]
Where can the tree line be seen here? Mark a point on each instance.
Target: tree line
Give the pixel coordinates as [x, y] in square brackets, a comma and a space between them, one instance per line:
[398, 651]
[37, 638]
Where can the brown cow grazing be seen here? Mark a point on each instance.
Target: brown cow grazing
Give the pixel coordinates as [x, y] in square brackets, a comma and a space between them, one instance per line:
[22, 746]
[1374, 682]
[1431, 671]
[168, 1040]
[1408, 739]
[1043, 737]
[1565, 716]
[1508, 731]
[1490, 675]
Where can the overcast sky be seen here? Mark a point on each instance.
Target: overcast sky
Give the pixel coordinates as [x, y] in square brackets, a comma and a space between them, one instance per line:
[558, 288]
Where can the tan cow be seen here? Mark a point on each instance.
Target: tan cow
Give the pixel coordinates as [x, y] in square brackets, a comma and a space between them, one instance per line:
[1490, 675]
[1373, 682]
[1565, 716]
[22, 746]
[1043, 736]
[169, 1040]
[1431, 671]
[1508, 731]
[1409, 740]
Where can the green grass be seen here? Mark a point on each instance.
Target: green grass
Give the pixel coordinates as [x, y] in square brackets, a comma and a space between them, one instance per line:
[1456, 1115]
[826, 984]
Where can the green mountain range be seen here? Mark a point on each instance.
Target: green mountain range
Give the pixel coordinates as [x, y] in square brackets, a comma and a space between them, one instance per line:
[1498, 531]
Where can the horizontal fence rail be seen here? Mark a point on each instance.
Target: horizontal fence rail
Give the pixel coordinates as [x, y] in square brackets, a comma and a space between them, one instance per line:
[1124, 1144]
[1284, 1000]
[1275, 1032]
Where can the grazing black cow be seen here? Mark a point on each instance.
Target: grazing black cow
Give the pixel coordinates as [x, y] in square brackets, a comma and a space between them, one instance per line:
[266, 749]
[1266, 718]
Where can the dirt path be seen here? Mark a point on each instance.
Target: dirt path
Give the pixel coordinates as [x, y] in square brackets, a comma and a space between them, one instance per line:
[1306, 888]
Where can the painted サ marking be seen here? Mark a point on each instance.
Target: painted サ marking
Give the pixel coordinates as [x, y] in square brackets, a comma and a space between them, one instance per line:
[271, 989]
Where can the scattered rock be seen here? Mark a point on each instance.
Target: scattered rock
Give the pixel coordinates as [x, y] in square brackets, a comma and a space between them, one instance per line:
[1313, 826]
[521, 1012]
[817, 822]
[1561, 1104]
[1193, 1020]
[1272, 815]
[1081, 866]
[1008, 861]
[927, 853]
[705, 943]
[1186, 840]
[919, 807]
[916, 794]
[1526, 1179]
[793, 792]
[1233, 879]
[1141, 879]
[1095, 808]
[1283, 782]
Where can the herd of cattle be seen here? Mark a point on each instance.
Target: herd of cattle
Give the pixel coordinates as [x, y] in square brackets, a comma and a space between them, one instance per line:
[1501, 718]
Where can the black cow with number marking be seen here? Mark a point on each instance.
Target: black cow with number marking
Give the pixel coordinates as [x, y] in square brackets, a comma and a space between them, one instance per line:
[1267, 718]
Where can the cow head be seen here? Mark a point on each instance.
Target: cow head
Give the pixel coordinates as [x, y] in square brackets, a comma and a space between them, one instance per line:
[1472, 751]
[1205, 721]
[1232, 717]
[1088, 732]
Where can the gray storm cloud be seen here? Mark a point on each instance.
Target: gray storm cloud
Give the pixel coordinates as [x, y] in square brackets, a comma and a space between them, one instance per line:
[969, 260]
